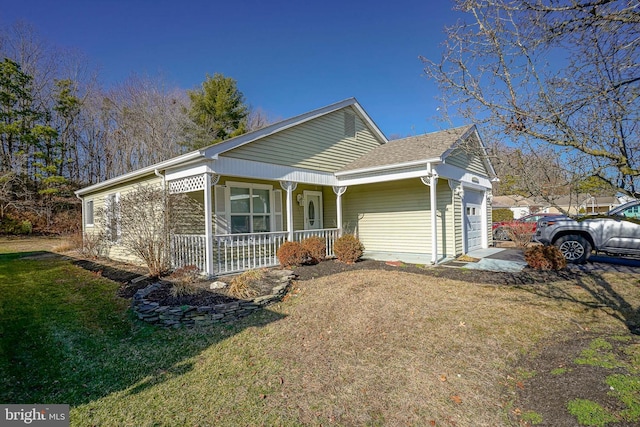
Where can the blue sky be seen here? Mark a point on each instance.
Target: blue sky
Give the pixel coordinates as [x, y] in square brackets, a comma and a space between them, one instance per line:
[287, 57]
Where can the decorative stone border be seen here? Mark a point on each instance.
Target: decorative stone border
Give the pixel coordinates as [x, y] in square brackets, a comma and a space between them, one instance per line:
[188, 315]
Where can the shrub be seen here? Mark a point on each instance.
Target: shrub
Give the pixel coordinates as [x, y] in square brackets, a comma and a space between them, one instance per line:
[93, 244]
[247, 284]
[183, 280]
[292, 254]
[316, 248]
[188, 274]
[348, 248]
[545, 258]
[520, 234]
[501, 214]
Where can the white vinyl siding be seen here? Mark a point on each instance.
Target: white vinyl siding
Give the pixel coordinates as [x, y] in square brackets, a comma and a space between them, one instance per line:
[113, 250]
[467, 160]
[318, 144]
[394, 217]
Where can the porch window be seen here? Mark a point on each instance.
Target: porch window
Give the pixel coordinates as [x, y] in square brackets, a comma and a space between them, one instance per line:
[250, 208]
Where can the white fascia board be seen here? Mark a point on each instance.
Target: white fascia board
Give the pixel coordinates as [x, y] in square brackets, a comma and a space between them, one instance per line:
[464, 176]
[485, 159]
[383, 177]
[257, 170]
[369, 121]
[398, 166]
[185, 158]
[184, 171]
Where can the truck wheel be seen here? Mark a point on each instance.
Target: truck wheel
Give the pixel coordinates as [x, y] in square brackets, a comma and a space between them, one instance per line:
[576, 249]
[501, 234]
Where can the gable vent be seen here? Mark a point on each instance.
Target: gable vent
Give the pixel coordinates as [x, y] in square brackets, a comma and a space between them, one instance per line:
[349, 125]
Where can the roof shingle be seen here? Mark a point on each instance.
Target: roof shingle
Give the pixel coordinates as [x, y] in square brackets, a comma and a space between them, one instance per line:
[414, 148]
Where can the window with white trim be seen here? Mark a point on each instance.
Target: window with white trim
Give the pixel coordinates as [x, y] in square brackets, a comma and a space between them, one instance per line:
[250, 208]
[88, 213]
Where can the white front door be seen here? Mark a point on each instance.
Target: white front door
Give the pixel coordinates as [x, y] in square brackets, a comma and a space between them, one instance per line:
[312, 210]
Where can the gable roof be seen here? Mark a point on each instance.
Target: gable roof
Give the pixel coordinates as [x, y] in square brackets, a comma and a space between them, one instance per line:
[213, 150]
[432, 146]
[246, 138]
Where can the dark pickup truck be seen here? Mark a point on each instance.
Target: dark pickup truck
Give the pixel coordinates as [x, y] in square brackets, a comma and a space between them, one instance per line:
[615, 233]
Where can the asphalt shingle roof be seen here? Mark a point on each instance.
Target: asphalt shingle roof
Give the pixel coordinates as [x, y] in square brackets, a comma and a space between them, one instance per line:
[414, 148]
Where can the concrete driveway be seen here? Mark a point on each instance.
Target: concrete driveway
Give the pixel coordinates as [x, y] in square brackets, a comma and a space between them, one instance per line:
[512, 260]
[609, 264]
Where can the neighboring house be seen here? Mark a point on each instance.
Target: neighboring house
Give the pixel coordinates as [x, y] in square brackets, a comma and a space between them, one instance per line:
[420, 199]
[585, 204]
[519, 205]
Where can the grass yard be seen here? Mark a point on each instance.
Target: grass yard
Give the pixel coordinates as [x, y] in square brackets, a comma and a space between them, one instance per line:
[357, 348]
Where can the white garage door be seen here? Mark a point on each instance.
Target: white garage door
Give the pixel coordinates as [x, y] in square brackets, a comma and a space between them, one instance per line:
[473, 219]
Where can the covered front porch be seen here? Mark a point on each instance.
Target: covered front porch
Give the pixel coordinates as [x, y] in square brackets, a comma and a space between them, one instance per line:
[234, 224]
[232, 253]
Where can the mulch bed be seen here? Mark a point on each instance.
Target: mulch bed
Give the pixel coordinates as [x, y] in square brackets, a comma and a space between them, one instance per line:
[526, 277]
[203, 297]
[126, 273]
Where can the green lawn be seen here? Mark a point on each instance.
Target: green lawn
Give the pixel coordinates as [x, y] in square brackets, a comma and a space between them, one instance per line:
[66, 338]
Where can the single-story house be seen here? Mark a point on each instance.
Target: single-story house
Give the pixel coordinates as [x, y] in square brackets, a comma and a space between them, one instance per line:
[585, 204]
[519, 205]
[421, 199]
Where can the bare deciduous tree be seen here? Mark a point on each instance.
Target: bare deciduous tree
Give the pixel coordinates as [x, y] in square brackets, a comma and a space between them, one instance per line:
[549, 75]
[141, 221]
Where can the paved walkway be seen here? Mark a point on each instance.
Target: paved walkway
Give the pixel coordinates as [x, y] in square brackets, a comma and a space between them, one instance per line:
[497, 259]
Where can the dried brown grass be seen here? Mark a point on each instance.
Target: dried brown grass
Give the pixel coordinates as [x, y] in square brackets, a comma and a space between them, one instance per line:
[247, 284]
[391, 348]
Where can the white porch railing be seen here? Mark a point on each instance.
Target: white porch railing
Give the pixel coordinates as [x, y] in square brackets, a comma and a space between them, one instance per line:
[189, 249]
[239, 252]
[328, 234]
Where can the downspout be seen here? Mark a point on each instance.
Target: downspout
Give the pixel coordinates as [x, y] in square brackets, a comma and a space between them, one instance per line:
[158, 174]
[81, 216]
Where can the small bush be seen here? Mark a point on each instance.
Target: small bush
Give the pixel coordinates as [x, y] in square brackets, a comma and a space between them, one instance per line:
[188, 274]
[501, 214]
[247, 284]
[348, 248]
[183, 280]
[520, 234]
[184, 289]
[316, 248]
[292, 254]
[545, 258]
[93, 244]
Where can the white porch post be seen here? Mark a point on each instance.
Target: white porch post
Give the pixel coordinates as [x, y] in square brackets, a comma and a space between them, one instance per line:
[208, 224]
[289, 187]
[339, 191]
[431, 180]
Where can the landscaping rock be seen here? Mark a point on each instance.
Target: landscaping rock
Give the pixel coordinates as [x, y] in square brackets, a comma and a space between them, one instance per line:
[190, 315]
[217, 285]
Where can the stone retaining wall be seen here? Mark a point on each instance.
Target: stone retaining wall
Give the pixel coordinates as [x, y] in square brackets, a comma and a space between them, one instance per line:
[187, 315]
